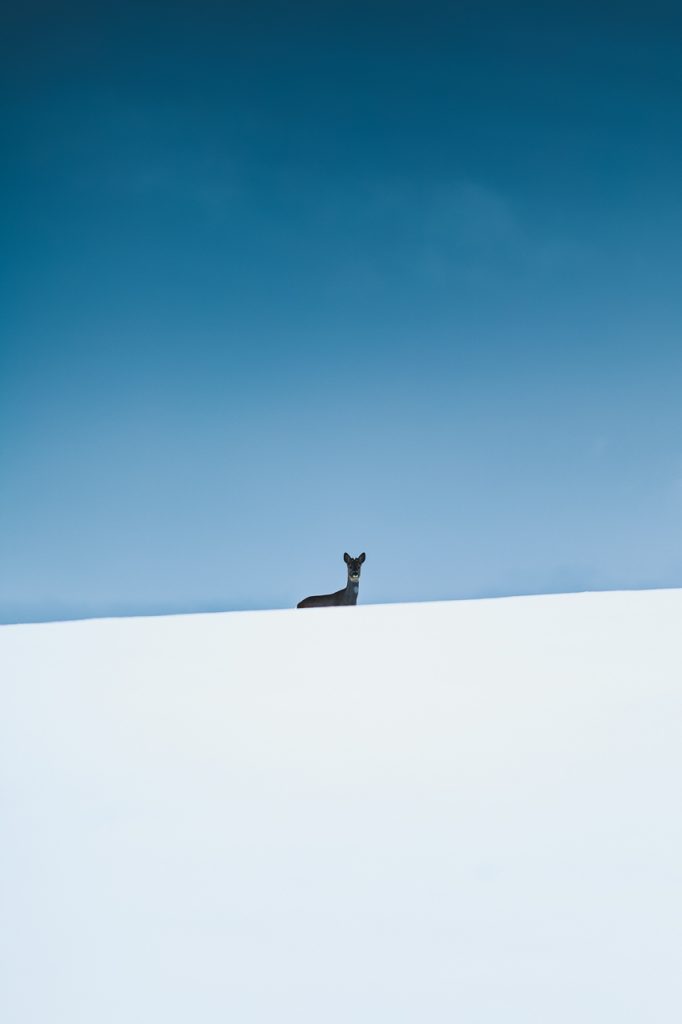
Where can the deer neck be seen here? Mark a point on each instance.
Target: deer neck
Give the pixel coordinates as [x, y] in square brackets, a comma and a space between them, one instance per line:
[352, 589]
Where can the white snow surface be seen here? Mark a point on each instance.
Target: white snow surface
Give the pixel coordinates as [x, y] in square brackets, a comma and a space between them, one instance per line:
[463, 811]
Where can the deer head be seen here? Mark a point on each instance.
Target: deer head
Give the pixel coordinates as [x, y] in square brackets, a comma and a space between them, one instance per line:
[354, 565]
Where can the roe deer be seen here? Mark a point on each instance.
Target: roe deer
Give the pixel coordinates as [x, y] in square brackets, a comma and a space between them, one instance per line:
[349, 594]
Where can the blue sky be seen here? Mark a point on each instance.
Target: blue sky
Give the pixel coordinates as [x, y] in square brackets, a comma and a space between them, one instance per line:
[280, 281]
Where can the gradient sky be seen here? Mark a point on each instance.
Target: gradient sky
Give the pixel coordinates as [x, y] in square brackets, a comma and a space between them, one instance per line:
[284, 280]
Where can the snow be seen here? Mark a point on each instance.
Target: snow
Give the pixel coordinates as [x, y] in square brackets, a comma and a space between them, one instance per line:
[463, 811]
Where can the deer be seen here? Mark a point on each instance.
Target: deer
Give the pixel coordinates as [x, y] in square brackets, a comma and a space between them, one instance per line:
[349, 594]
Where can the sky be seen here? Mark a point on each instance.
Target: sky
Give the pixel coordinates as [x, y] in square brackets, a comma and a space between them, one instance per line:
[280, 281]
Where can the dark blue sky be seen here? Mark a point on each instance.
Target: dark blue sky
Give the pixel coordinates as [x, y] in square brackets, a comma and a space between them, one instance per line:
[280, 281]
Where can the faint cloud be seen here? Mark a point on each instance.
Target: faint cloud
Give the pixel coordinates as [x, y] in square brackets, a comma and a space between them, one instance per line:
[599, 447]
[157, 154]
[437, 230]
[677, 482]
[471, 214]
[210, 184]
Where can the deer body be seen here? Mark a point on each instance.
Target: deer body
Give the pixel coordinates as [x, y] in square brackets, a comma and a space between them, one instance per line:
[349, 594]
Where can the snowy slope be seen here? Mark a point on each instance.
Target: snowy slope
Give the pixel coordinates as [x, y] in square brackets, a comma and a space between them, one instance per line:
[450, 812]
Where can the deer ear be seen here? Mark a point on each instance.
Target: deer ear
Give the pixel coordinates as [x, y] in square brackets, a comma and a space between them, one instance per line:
[361, 558]
[346, 557]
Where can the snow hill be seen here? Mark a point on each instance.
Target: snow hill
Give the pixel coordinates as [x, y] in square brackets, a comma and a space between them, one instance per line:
[455, 812]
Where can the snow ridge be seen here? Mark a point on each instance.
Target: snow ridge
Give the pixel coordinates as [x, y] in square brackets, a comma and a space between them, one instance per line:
[453, 811]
